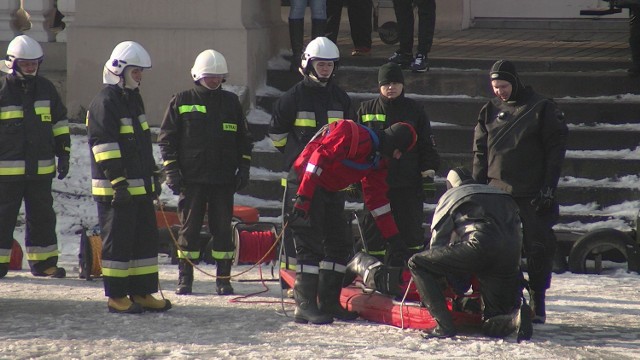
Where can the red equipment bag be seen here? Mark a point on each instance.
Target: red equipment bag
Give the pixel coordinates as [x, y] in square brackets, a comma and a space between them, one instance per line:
[15, 262]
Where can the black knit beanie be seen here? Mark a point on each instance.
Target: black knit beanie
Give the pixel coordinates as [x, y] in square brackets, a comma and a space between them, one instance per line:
[390, 72]
[401, 136]
[505, 70]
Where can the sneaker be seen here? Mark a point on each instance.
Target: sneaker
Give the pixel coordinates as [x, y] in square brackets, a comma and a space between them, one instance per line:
[401, 59]
[420, 64]
[361, 51]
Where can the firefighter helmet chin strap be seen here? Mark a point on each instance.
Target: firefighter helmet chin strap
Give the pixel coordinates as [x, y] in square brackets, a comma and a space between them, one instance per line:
[313, 74]
[20, 74]
[204, 83]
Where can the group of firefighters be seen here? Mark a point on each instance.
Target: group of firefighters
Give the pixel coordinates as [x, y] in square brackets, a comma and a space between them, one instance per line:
[387, 149]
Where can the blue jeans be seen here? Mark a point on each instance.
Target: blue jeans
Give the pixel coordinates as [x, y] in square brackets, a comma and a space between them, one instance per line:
[318, 9]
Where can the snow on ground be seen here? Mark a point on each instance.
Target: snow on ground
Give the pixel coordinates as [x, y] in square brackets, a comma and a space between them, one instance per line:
[589, 316]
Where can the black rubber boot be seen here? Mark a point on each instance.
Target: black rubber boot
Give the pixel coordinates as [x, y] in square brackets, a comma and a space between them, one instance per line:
[329, 287]
[318, 27]
[4, 269]
[525, 323]
[305, 292]
[296, 35]
[364, 265]
[433, 299]
[223, 282]
[538, 306]
[185, 277]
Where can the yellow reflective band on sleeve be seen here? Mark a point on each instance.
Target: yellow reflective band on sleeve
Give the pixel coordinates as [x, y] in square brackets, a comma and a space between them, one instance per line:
[46, 167]
[126, 126]
[11, 112]
[192, 255]
[229, 127]
[143, 122]
[246, 157]
[334, 115]
[167, 162]
[222, 255]
[373, 117]
[106, 151]
[42, 107]
[102, 187]
[61, 128]
[305, 123]
[192, 108]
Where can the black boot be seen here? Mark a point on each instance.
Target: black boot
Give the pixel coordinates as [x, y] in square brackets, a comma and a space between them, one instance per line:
[330, 285]
[525, 326]
[318, 27]
[538, 306]
[433, 299]
[296, 35]
[185, 277]
[223, 281]
[305, 292]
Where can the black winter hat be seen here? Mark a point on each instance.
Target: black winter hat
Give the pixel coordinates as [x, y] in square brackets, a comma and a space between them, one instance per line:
[390, 72]
[505, 70]
[401, 136]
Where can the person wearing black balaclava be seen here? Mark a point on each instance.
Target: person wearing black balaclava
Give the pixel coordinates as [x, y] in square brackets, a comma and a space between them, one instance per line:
[519, 146]
[411, 177]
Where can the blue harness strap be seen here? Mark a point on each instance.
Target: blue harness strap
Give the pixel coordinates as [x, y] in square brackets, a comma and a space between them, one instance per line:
[374, 159]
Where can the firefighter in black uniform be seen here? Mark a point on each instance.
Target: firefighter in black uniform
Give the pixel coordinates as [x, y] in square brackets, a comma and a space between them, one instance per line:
[205, 143]
[410, 178]
[33, 131]
[125, 183]
[475, 231]
[300, 112]
[519, 146]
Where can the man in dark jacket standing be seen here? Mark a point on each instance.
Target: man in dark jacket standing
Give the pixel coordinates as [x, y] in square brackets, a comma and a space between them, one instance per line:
[124, 184]
[205, 143]
[410, 177]
[475, 231]
[301, 111]
[34, 130]
[519, 147]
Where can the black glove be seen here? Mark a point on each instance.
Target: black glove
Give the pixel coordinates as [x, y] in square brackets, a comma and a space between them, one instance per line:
[242, 178]
[299, 215]
[174, 180]
[157, 186]
[121, 194]
[63, 167]
[545, 201]
[428, 184]
[397, 252]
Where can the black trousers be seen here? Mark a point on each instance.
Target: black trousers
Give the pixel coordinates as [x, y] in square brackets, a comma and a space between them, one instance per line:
[634, 35]
[500, 282]
[539, 242]
[40, 237]
[214, 201]
[407, 207]
[360, 19]
[129, 247]
[405, 21]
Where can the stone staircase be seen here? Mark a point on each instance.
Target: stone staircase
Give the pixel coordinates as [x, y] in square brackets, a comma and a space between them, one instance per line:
[597, 98]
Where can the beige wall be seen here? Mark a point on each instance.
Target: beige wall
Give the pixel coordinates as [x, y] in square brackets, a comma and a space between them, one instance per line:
[247, 32]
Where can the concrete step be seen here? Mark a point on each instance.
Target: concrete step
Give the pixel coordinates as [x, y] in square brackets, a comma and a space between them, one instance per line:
[460, 110]
[475, 83]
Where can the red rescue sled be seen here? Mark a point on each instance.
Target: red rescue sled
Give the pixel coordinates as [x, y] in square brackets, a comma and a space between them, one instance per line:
[385, 309]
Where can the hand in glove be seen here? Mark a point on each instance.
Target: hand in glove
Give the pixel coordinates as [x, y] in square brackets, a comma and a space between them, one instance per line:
[428, 184]
[174, 180]
[63, 167]
[242, 178]
[397, 252]
[121, 194]
[545, 201]
[299, 216]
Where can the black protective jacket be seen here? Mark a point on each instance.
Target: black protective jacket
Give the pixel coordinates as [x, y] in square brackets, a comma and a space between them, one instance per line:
[206, 133]
[381, 113]
[301, 111]
[120, 143]
[519, 146]
[33, 129]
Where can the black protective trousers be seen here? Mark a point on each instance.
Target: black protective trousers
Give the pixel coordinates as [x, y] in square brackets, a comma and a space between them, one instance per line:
[40, 236]
[216, 202]
[634, 35]
[360, 20]
[426, 24]
[539, 243]
[499, 286]
[129, 247]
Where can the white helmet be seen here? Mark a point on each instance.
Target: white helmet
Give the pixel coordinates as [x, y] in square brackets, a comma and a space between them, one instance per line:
[209, 62]
[127, 53]
[319, 48]
[21, 48]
